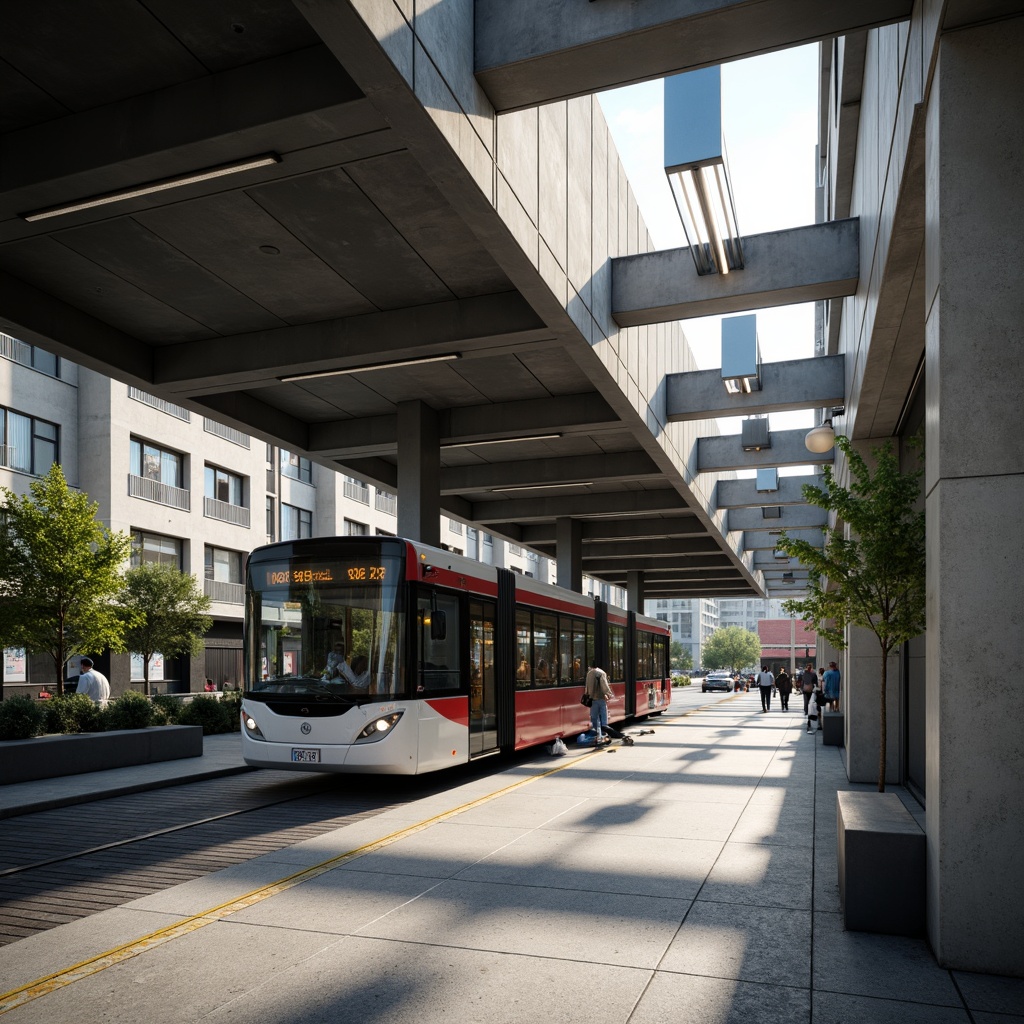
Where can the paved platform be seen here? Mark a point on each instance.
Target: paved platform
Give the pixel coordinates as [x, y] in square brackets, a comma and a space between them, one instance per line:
[688, 878]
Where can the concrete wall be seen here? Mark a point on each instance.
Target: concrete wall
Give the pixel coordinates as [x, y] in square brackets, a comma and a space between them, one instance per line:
[555, 179]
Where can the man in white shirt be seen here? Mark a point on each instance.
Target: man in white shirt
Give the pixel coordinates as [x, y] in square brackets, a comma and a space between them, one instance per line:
[93, 684]
[765, 682]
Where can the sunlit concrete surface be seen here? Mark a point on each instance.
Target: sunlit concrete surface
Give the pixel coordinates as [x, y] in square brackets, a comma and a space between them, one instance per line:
[690, 877]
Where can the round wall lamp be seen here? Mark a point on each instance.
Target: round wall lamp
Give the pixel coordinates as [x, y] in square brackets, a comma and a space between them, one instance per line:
[822, 438]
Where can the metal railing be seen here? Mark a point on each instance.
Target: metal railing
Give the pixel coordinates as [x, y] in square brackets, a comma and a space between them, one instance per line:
[14, 348]
[159, 403]
[8, 457]
[225, 593]
[228, 433]
[384, 501]
[357, 491]
[153, 490]
[226, 512]
[514, 549]
[454, 527]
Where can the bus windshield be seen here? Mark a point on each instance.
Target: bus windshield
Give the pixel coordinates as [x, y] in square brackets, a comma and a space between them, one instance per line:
[326, 626]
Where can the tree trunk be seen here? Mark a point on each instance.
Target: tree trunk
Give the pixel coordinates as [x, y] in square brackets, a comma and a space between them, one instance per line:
[882, 737]
[145, 673]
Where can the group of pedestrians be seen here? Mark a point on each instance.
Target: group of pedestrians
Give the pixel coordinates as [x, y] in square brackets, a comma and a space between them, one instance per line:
[817, 690]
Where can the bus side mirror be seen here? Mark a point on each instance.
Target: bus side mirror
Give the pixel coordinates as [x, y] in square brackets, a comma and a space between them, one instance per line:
[438, 626]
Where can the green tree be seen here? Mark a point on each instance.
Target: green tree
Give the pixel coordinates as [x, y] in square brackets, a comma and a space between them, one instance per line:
[731, 647]
[680, 657]
[162, 609]
[60, 569]
[876, 578]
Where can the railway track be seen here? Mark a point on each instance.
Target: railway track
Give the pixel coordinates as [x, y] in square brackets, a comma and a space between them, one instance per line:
[61, 865]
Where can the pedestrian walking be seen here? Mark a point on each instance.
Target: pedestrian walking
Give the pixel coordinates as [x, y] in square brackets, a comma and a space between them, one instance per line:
[765, 683]
[833, 680]
[813, 714]
[807, 680]
[600, 692]
[93, 684]
[784, 684]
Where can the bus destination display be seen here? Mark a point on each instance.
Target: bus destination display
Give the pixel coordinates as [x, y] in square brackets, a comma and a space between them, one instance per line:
[355, 572]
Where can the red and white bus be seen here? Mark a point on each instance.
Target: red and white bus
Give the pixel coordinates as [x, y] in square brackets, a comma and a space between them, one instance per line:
[377, 654]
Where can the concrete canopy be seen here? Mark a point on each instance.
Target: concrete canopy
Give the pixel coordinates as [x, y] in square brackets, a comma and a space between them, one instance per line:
[369, 238]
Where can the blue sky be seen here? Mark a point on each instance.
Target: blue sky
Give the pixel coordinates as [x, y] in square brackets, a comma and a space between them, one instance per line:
[769, 120]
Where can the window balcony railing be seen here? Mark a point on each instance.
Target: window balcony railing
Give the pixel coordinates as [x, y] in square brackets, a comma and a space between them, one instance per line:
[14, 348]
[163, 494]
[225, 593]
[386, 502]
[226, 512]
[159, 403]
[454, 527]
[8, 457]
[357, 491]
[228, 433]
[514, 549]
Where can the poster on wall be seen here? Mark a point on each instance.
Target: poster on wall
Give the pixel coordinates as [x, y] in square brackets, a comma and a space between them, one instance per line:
[14, 665]
[156, 668]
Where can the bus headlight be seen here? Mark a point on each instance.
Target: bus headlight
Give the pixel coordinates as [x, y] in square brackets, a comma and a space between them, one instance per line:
[378, 728]
[250, 726]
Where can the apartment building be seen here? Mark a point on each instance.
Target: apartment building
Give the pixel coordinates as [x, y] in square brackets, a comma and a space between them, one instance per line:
[191, 492]
[747, 612]
[692, 621]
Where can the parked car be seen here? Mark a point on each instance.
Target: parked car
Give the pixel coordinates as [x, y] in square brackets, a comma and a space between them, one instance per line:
[717, 681]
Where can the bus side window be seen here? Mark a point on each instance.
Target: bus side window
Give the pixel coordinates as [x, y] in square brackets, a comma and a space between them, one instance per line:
[438, 656]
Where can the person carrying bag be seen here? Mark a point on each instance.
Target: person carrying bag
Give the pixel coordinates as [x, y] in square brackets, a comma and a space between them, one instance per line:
[599, 690]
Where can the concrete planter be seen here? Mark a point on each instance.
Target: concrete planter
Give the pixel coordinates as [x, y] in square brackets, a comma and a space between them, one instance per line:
[49, 757]
[881, 851]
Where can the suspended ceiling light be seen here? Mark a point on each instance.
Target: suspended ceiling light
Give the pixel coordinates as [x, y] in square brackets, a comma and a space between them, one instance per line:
[501, 440]
[369, 367]
[697, 167]
[543, 487]
[209, 173]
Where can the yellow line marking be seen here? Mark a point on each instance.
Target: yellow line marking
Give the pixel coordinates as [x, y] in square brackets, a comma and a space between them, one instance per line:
[69, 975]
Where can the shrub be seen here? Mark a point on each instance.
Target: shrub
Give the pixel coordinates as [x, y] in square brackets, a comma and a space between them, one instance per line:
[231, 702]
[207, 712]
[166, 709]
[21, 718]
[70, 713]
[680, 680]
[130, 711]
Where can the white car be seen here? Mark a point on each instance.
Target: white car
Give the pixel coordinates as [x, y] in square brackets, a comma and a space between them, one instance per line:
[717, 681]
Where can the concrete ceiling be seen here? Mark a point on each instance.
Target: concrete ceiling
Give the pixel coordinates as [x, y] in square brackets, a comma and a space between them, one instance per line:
[345, 252]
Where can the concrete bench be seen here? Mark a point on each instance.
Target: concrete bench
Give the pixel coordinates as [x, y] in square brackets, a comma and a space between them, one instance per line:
[881, 865]
[832, 726]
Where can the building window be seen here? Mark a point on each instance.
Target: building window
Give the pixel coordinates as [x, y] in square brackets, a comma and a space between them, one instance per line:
[154, 547]
[356, 490]
[354, 529]
[223, 566]
[27, 444]
[296, 523]
[29, 355]
[224, 486]
[271, 532]
[296, 467]
[156, 464]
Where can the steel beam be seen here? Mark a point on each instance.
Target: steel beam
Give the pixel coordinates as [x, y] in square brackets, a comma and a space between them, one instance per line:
[819, 261]
[793, 517]
[718, 454]
[785, 387]
[534, 51]
[744, 493]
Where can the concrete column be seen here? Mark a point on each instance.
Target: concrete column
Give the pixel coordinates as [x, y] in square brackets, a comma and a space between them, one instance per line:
[861, 668]
[419, 473]
[974, 338]
[569, 552]
[635, 591]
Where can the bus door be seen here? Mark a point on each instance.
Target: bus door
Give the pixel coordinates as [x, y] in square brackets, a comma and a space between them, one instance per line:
[483, 722]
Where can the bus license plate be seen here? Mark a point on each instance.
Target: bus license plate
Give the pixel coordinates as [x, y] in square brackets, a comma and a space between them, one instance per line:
[306, 755]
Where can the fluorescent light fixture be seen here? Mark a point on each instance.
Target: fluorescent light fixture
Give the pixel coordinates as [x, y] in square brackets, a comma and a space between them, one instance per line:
[501, 440]
[543, 487]
[741, 355]
[266, 160]
[697, 167]
[369, 367]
